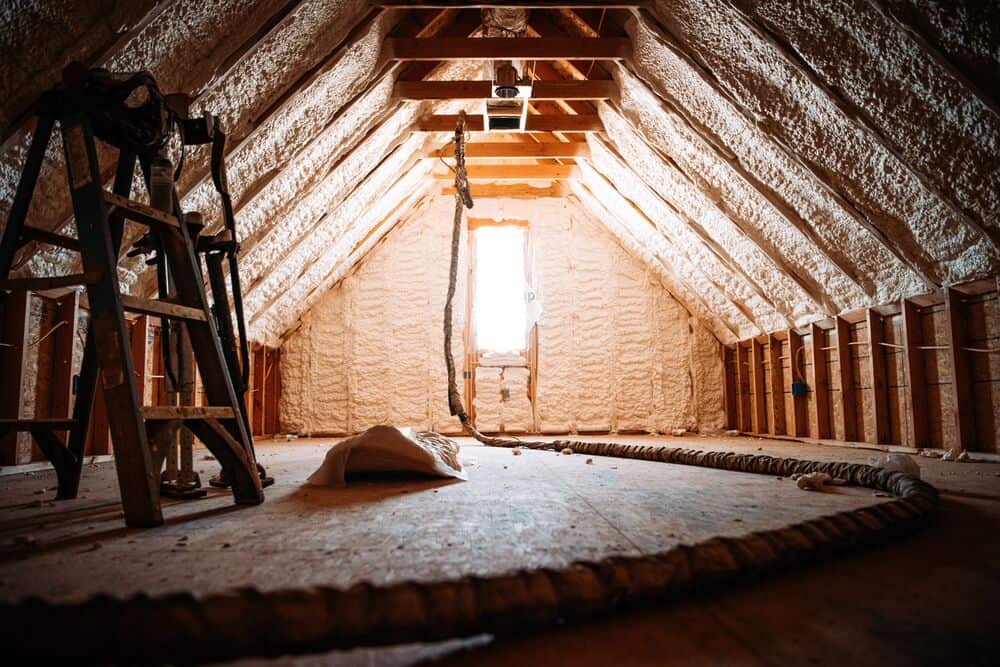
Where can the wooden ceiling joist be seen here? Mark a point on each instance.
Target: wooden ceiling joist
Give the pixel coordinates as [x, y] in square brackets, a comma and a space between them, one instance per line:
[501, 150]
[535, 123]
[516, 173]
[477, 90]
[536, 4]
[506, 48]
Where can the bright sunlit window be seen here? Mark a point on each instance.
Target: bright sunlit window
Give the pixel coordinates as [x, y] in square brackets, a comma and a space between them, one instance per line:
[499, 310]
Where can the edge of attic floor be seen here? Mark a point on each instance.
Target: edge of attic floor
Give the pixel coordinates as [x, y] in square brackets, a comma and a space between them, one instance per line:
[926, 599]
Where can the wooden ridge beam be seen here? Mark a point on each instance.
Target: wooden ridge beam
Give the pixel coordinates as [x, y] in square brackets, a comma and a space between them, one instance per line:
[506, 48]
[516, 173]
[533, 4]
[535, 123]
[503, 150]
[475, 90]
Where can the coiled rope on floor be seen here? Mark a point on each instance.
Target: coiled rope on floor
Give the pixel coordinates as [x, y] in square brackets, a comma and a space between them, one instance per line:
[248, 622]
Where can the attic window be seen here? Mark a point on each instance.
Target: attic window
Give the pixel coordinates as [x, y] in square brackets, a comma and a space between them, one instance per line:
[499, 309]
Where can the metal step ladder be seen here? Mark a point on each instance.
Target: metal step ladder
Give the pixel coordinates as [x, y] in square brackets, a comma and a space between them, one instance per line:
[140, 434]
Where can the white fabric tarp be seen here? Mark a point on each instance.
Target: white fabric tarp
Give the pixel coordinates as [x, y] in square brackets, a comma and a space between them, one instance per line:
[390, 449]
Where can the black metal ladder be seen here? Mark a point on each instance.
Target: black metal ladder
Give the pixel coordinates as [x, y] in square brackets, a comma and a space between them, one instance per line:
[140, 434]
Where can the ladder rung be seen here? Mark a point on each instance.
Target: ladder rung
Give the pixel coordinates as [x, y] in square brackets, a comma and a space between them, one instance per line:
[25, 424]
[49, 282]
[137, 211]
[158, 307]
[161, 412]
[51, 238]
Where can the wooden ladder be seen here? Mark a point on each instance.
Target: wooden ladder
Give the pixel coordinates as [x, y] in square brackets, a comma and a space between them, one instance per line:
[140, 434]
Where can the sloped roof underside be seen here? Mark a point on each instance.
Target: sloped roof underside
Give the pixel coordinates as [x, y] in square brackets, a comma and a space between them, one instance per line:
[777, 162]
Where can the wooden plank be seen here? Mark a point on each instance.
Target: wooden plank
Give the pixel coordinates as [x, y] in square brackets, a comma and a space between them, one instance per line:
[506, 48]
[137, 211]
[51, 238]
[729, 377]
[517, 173]
[99, 430]
[877, 379]
[138, 336]
[49, 282]
[961, 372]
[915, 398]
[534, 123]
[848, 395]
[597, 89]
[820, 383]
[257, 425]
[63, 344]
[500, 150]
[757, 393]
[742, 391]
[555, 189]
[161, 308]
[13, 343]
[777, 423]
[172, 412]
[271, 391]
[796, 363]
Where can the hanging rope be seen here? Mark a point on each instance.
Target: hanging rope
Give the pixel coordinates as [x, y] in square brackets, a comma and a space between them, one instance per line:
[248, 622]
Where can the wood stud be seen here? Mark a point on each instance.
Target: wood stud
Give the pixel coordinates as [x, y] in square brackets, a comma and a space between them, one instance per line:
[777, 376]
[961, 372]
[848, 398]
[915, 396]
[877, 379]
[820, 383]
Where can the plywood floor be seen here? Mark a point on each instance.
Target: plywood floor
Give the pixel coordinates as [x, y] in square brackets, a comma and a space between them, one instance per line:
[929, 599]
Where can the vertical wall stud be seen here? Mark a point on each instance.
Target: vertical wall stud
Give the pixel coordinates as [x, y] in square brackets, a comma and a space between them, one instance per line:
[757, 375]
[877, 378]
[729, 378]
[848, 399]
[778, 426]
[796, 368]
[138, 336]
[961, 372]
[271, 393]
[743, 390]
[820, 383]
[64, 342]
[257, 424]
[13, 343]
[915, 401]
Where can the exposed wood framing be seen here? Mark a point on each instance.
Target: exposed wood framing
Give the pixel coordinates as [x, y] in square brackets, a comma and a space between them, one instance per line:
[915, 401]
[506, 48]
[879, 387]
[63, 343]
[516, 173]
[138, 335]
[257, 390]
[600, 89]
[13, 344]
[500, 150]
[757, 393]
[729, 378]
[848, 395]
[777, 377]
[743, 389]
[796, 365]
[820, 382]
[961, 372]
[533, 123]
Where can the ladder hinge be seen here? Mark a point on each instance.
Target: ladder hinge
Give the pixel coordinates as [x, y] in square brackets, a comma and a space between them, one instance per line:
[467, 375]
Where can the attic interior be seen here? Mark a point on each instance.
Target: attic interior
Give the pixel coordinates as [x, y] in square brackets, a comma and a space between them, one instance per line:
[561, 332]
